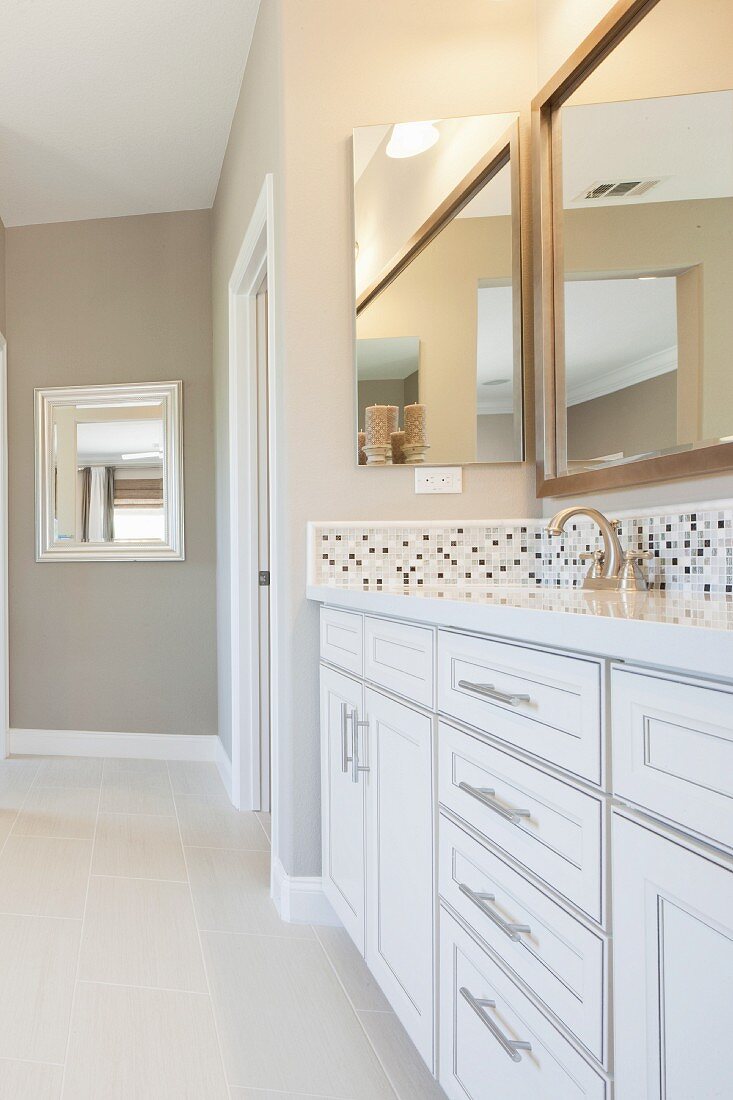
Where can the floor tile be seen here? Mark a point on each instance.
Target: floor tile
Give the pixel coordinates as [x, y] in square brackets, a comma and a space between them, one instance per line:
[291, 992]
[69, 771]
[43, 876]
[353, 972]
[38, 964]
[266, 823]
[214, 823]
[266, 1094]
[136, 787]
[194, 777]
[138, 846]
[146, 1044]
[231, 892]
[58, 812]
[16, 778]
[7, 820]
[404, 1066]
[140, 932]
[29, 1081]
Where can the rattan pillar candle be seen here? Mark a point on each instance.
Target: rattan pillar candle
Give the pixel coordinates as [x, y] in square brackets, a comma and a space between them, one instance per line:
[380, 422]
[416, 436]
[398, 454]
[361, 440]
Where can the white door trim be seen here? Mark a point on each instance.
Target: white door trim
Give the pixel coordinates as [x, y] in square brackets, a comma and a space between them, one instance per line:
[4, 636]
[255, 260]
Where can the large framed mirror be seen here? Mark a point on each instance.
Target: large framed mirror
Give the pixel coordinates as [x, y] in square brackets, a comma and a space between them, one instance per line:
[634, 232]
[109, 473]
[438, 292]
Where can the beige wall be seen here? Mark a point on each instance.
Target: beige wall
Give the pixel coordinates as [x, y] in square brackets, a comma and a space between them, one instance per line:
[2, 278]
[95, 645]
[339, 66]
[436, 299]
[253, 151]
[495, 436]
[634, 420]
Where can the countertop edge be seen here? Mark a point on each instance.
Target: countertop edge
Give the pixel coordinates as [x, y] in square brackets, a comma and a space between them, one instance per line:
[675, 647]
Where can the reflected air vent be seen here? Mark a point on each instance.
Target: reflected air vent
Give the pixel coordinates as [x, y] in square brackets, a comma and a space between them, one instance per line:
[617, 189]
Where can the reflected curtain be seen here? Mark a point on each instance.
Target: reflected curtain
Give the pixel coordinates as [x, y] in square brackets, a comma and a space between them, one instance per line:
[97, 504]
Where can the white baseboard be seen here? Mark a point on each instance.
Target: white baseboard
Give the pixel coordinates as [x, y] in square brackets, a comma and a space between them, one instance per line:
[146, 746]
[224, 765]
[300, 900]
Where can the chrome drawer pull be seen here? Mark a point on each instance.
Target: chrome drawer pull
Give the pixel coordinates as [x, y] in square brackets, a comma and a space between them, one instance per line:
[486, 796]
[356, 767]
[493, 693]
[479, 900]
[511, 1046]
[345, 758]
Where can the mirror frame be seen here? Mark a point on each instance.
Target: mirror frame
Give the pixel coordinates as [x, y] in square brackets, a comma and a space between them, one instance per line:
[550, 408]
[170, 396]
[504, 151]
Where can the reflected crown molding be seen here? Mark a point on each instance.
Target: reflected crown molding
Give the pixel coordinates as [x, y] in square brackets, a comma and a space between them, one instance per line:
[619, 378]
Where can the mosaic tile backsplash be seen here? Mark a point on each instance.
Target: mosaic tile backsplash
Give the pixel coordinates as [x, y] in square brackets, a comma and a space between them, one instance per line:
[693, 552]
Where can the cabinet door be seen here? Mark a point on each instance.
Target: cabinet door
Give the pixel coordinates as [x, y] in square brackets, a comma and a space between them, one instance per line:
[400, 885]
[343, 802]
[673, 969]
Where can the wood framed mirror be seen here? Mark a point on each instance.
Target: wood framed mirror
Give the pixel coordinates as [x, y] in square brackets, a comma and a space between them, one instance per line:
[633, 194]
[438, 292]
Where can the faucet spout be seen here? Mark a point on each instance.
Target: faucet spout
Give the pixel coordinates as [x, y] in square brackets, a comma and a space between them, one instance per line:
[612, 550]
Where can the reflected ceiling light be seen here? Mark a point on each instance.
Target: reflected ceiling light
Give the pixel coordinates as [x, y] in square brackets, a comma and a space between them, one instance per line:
[142, 454]
[410, 138]
[646, 278]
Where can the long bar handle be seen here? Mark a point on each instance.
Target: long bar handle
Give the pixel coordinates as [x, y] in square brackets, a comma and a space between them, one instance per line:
[345, 758]
[356, 767]
[487, 797]
[511, 930]
[490, 692]
[511, 1047]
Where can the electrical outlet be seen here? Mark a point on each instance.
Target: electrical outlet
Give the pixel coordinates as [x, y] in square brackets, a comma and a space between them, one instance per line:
[439, 479]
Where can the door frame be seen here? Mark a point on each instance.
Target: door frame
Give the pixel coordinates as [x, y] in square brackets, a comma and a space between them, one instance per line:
[256, 260]
[4, 610]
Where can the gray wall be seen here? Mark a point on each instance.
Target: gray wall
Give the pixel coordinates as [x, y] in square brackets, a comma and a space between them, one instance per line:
[112, 646]
[635, 420]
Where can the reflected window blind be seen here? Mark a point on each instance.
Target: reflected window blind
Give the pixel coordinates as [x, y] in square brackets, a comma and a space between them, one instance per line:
[138, 492]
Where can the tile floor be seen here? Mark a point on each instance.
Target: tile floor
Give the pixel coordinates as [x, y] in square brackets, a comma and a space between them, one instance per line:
[141, 956]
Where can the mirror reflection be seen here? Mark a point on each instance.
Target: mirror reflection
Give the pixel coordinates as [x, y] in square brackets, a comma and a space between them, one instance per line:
[113, 471]
[438, 327]
[647, 244]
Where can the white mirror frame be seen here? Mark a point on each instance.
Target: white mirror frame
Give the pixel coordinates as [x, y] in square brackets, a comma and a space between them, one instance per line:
[170, 396]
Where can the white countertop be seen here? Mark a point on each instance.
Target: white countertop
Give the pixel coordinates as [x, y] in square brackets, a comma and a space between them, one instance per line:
[664, 629]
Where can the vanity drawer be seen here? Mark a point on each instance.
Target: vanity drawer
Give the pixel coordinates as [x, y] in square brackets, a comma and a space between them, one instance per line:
[560, 721]
[342, 641]
[561, 960]
[673, 750]
[482, 1011]
[399, 657]
[558, 836]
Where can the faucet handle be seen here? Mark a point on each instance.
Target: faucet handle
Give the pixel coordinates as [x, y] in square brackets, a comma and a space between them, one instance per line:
[597, 557]
[637, 555]
[632, 575]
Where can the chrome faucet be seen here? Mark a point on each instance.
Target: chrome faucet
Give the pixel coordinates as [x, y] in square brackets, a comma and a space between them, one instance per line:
[612, 567]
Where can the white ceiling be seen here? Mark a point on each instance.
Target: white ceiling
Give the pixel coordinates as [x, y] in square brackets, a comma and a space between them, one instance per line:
[684, 140]
[108, 109]
[107, 441]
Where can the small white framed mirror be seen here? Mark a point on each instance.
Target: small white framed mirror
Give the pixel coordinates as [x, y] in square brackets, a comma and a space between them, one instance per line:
[109, 473]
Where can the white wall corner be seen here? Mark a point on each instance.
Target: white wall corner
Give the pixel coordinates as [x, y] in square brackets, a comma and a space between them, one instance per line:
[300, 900]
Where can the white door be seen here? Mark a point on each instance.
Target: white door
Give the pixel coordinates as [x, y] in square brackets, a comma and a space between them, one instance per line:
[263, 542]
[342, 793]
[400, 882]
[673, 969]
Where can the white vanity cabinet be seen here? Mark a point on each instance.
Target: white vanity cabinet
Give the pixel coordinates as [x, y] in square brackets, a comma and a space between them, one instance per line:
[673, 965]
[499, 815]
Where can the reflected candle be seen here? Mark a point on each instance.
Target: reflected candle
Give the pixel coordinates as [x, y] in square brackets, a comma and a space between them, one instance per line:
[415, 424]
[380, 421]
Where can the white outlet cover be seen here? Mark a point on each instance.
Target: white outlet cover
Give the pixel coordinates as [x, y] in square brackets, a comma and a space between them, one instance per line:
[439, 479]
